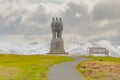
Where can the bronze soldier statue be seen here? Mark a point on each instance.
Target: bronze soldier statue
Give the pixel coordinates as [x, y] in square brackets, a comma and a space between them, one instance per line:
[57, 27]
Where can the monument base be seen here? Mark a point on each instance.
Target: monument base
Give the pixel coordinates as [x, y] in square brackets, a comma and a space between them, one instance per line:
[58, 53]
[57, 46]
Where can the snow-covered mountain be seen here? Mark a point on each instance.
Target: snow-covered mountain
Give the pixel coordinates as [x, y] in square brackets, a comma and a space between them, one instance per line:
[24, 48]
[75, 47]
[82, 48]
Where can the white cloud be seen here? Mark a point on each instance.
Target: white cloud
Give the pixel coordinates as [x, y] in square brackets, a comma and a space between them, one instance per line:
[77, 15]
[83, 19]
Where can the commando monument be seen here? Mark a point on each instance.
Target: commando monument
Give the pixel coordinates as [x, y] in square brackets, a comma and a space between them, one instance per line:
[57, 42]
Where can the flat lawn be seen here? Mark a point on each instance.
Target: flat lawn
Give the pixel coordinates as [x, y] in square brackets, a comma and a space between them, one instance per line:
[28, 67]
[100, 68]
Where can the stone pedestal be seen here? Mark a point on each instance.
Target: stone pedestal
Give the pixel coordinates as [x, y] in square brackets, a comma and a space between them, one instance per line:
[57, 46]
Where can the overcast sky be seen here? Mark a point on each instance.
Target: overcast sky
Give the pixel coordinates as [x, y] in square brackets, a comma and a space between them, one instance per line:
[84, 20]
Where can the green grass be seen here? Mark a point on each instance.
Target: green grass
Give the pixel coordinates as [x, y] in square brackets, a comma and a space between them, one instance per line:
[28, 67]
[88, 72]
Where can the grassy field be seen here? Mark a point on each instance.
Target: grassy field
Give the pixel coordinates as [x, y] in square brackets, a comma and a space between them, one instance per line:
[100, 68]
[27, 67]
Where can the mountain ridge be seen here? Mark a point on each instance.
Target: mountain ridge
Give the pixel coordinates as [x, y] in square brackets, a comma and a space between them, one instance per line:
[73, 48]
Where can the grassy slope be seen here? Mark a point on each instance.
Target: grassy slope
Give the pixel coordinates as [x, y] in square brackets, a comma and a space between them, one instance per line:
[32, 67]
[100, 68]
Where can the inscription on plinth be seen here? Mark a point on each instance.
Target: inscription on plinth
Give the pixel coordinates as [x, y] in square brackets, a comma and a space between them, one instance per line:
[57, 46]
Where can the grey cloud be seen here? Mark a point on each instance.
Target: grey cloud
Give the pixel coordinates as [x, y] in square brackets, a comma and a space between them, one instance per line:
[34, 1]
[83, 25]
[53, 1]
[13, 23]
[88, 26]
[14, 27]
[69, 16]
[39, 16]
[116, 40]
[107, 9]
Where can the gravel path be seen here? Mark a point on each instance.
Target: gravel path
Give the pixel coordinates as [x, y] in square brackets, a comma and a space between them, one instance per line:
[65, 71]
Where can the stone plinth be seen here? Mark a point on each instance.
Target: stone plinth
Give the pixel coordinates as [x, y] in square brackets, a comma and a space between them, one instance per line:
[57, 46]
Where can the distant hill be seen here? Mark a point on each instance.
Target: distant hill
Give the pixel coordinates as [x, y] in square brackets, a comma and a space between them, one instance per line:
[75, 47]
